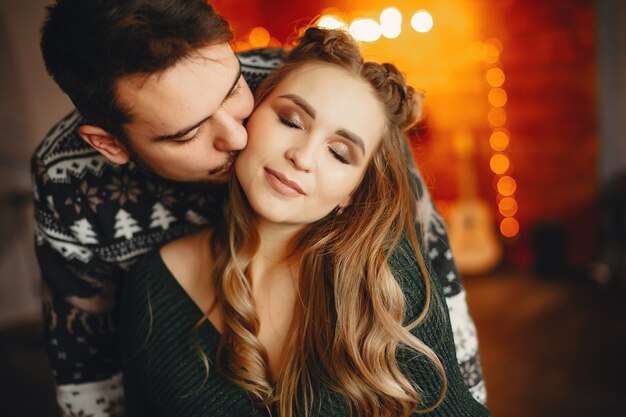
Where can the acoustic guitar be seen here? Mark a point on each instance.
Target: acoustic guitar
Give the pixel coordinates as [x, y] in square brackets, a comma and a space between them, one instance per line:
[471, 225]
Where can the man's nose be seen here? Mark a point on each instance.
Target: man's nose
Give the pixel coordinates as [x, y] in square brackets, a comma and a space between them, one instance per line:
[230, 134]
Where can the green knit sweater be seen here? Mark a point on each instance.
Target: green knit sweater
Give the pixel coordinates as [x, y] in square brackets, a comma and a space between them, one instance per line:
[164, 375]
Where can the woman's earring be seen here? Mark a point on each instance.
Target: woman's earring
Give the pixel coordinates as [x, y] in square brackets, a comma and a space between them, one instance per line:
[339, 210]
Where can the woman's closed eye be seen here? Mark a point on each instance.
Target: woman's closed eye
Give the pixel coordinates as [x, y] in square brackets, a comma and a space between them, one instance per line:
[293, 120]
[340, 152]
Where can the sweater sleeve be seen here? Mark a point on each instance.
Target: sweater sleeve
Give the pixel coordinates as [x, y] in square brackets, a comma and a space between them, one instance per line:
[436, 332]
[433, 235]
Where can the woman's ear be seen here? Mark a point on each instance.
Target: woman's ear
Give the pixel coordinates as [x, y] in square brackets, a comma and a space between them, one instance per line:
[345, 202]
[105, 143]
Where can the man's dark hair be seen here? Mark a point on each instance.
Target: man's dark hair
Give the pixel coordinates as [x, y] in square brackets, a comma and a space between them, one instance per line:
[88, 45]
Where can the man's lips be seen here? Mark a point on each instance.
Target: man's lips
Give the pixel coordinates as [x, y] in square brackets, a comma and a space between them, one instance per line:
[223, 169]
[282, 184]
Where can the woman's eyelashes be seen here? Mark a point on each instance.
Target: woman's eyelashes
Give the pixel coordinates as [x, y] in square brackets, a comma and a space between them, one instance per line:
[292, 121]
[341, 153]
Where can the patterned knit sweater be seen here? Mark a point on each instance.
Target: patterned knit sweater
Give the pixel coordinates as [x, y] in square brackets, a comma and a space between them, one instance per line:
[93, 220]
[164, 375]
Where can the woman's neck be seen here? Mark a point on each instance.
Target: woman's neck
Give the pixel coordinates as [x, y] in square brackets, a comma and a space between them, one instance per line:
[275, 250]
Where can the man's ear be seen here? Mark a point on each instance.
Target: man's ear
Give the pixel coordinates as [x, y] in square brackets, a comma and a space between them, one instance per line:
[105, 143]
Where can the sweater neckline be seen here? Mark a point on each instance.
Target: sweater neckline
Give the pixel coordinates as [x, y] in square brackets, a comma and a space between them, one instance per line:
[171, 281]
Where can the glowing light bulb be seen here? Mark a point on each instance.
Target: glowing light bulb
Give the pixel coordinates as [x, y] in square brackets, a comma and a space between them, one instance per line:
[330, 22]
[422, 21]
[367, 30]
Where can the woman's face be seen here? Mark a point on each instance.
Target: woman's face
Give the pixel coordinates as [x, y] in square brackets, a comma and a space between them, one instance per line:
[309, 142]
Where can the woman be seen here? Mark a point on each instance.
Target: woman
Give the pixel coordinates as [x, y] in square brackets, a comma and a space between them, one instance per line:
[289, 308]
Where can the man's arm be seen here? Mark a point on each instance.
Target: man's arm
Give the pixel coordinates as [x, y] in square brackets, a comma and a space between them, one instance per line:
[79, 327]
[434, 238]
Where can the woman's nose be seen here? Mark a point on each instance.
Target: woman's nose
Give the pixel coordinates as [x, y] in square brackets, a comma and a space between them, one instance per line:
[302, 156]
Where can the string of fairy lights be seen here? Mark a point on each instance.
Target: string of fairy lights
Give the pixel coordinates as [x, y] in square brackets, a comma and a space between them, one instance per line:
[390, 25]
[499, 140]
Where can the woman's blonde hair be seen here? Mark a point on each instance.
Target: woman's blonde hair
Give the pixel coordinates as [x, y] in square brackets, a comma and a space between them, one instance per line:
[348, 327]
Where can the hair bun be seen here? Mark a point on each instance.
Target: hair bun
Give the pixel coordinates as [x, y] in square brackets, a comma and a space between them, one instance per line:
[334, 46]
[404, 103]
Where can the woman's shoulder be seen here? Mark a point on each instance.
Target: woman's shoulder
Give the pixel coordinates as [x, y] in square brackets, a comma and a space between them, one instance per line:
[186, 256]
[188, 261]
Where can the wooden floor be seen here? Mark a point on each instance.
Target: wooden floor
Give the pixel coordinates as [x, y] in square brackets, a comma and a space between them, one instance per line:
[548, 348]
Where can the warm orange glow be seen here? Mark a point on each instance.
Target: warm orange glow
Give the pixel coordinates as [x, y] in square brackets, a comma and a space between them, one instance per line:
[242, 46]
[499, 140]
[366, 30]
[422, 21]
[495, 42]
[509, 227]
[497, 97]
[259, 37]
[330, 22]
[492, 54]
[497, 117]
[499, 163]
[507, 206]
[506, 186]
[443, 207]
[477, 51]
[495, 77]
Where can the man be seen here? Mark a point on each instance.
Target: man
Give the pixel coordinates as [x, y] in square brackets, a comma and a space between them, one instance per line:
[161, 101]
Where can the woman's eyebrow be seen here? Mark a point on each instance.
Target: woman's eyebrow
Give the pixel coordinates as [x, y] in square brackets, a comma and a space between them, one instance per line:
[300, 102]
[352, 137]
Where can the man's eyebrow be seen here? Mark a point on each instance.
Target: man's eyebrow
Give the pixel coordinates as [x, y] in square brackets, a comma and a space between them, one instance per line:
[182, 132]
[352, 137]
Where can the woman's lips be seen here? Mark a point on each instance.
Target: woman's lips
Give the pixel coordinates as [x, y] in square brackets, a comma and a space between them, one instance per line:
[282, 184]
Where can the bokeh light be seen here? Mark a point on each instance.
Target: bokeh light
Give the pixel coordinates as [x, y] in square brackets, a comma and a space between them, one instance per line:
[331, 22]
[496, 117]
[497, 97]
[391, 16]
[366, 30]
[495, 77]
[259, 37]
[509, 227]
[499, 140]
[506, 186]
[422, 21]
[508, 206]
[499, 163]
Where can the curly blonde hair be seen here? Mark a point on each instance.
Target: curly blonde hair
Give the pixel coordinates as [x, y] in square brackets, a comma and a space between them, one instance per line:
[348, 329]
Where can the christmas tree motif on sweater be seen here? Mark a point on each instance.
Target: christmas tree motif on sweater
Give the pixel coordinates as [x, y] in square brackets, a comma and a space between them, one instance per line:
[84, 232]
[194, 218]
[125, 225]
[161, 217]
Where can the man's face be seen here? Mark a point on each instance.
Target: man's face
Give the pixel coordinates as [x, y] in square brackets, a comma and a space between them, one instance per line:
[187, 121]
